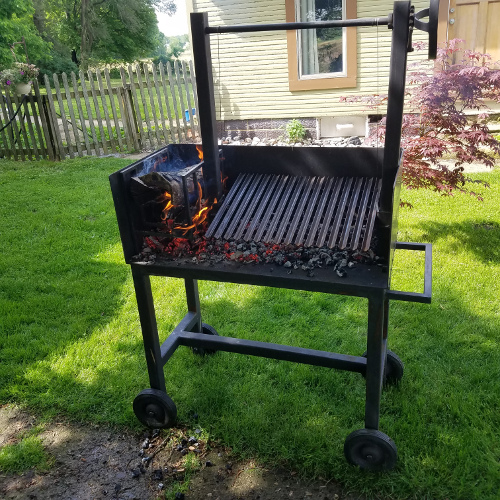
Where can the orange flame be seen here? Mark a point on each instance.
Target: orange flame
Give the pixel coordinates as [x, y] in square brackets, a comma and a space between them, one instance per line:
[198, 219]
[200, 151]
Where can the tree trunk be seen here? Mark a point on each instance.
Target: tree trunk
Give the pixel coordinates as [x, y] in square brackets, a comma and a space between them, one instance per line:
[86, 43]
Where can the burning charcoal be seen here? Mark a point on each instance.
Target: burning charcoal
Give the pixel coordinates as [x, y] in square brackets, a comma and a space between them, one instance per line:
[241, 247]
[287, 264]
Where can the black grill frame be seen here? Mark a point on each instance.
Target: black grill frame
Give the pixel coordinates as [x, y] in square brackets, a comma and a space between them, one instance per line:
[369, 281]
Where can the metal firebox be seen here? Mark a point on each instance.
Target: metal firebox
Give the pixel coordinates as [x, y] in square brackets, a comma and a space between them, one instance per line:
[342, 198]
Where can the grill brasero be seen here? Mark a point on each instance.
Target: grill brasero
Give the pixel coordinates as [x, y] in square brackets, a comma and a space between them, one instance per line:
[318, 219]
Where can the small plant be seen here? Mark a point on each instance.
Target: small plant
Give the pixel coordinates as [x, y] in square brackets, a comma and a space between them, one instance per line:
[295, 131]
[20, 73]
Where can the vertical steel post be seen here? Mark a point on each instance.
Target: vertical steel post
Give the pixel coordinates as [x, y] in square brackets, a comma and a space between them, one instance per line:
[145, 305]
[375, 358]
[396, 96]
[206, 103]
[193, 301]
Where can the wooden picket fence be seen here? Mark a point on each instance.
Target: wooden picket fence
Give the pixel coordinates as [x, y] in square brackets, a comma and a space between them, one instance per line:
[89, 114]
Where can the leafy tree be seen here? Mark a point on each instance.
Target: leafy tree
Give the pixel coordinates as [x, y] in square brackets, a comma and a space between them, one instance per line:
[171, 48]
[125, 28]
[16, 22]
[101, 30]
[440, 124]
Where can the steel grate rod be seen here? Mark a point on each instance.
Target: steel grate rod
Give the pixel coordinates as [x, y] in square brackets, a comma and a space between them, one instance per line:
[310, 211]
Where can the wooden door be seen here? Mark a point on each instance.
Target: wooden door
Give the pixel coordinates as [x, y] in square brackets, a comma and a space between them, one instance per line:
[478, 23]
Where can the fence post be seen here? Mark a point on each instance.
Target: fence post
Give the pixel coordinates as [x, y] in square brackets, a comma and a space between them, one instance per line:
[130, 118]
[51, 111]
[49, 137]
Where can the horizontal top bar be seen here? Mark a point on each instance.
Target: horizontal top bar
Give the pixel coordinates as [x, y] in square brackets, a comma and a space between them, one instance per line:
[342, 23]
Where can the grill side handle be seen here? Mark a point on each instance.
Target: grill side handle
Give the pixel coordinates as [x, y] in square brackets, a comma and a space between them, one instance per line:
[425, 297]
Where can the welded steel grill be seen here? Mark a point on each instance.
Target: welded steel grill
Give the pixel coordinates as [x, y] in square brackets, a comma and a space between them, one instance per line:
[310, 211]
[339, 198]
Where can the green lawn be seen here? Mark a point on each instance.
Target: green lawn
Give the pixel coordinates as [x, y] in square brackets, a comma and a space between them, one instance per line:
[70, 341]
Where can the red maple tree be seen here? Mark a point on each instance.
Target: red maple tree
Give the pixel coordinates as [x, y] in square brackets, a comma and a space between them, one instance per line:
[447, 118]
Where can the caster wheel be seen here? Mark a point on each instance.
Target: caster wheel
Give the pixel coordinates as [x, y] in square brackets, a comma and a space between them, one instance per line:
[371, 450]
[207, 330]
[155, 409]
[394, 368]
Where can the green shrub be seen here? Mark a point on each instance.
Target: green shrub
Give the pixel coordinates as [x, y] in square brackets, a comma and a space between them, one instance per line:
[295, 131]
[114, 73]
[59, 64]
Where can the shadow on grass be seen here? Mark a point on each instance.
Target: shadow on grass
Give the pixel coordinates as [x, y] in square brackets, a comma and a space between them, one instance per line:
[481, 236]
[442, 416]
[71, 344]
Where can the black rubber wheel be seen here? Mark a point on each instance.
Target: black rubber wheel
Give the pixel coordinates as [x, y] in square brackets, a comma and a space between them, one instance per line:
[207, 330]
[394, 368]
[370, 450]
[155, 409]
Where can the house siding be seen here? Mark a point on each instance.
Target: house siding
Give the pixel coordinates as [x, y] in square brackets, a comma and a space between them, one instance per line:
[251, 69]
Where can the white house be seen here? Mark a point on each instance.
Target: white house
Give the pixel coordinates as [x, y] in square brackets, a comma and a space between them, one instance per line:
[264, 79]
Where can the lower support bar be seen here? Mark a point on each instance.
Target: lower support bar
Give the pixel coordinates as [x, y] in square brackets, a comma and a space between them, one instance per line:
[268, 350]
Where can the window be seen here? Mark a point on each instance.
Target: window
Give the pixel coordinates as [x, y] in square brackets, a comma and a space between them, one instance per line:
[326, 57]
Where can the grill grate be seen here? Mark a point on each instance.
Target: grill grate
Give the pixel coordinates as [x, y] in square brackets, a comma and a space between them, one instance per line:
[310, 211]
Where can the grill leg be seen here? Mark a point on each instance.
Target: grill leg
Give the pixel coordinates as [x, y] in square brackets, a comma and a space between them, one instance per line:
[376, 353]
[193, 301]
[147, 316]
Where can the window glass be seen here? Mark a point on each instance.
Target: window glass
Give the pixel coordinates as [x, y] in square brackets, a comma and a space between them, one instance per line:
[321, 51]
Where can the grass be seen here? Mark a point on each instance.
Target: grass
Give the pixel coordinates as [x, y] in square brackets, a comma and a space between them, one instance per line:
[24, 454]
[70, 341]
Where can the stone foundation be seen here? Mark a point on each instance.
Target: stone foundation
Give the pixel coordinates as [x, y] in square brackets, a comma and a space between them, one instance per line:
[264, 128]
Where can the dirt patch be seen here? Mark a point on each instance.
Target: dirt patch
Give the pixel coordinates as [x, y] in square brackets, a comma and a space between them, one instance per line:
[91, 462]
